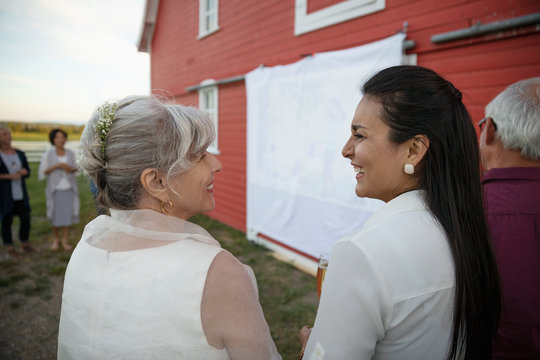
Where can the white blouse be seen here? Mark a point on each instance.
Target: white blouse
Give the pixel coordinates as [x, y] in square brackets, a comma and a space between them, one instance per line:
[63, 184]
[133, 290]
[389, 289]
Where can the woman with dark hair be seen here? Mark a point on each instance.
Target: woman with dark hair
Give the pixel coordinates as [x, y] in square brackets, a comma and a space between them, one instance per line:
[419, 280]
[58, 165]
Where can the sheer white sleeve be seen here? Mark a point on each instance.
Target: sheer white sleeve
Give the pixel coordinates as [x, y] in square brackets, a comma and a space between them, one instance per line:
[354, 308]
[231, 314]
[43, 165]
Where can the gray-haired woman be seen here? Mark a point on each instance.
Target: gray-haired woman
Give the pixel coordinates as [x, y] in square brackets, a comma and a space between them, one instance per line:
[144, 283]
[14, 201]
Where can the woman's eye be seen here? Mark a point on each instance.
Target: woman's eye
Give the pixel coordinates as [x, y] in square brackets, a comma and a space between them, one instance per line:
[359, 136]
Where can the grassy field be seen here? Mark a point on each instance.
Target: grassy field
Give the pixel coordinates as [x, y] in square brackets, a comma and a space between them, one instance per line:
[287, 295]
[27, 131]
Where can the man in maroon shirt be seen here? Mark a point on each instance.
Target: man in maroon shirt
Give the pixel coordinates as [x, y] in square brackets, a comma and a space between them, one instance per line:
[510, 148]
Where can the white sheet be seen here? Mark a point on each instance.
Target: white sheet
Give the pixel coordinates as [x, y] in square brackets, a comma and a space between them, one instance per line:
[300, 190]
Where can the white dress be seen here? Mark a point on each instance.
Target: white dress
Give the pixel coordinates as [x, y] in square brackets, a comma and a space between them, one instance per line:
[389, 289]
[137, 301]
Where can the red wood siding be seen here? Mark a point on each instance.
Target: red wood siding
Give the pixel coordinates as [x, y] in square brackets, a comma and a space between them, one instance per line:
[230, 182]
[254, 32]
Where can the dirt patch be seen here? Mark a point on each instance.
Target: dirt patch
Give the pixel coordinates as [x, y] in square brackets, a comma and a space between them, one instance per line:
[31, 295]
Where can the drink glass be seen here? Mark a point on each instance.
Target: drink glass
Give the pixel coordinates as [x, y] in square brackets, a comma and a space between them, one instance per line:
[321, 271]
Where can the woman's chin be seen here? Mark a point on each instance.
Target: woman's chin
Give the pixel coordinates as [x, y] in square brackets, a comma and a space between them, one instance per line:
[360, 192]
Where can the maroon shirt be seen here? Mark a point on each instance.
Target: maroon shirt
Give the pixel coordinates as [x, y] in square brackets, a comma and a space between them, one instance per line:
[513, 211]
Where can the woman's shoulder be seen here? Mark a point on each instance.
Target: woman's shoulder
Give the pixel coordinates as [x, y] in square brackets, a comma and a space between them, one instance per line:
[397, 225]
[47, 153]
[395, 235]
[406, 243]
[226, 264]
[230, 273]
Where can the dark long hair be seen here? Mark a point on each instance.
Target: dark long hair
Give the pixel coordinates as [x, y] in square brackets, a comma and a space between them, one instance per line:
[417, 101]
[53, 133]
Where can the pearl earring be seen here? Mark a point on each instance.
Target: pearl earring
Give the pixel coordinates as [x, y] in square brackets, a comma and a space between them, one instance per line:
[408, 169]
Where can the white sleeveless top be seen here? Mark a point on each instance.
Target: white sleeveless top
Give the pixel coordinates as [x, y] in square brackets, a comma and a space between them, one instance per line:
[138, 303]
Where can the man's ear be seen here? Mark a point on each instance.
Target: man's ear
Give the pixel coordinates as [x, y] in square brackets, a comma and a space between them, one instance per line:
[490, 131]
[417, 148]
[155, 184]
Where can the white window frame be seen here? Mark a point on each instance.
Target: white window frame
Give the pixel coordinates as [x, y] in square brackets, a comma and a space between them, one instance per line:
[210, 109]
[334, 14]
[204, 14]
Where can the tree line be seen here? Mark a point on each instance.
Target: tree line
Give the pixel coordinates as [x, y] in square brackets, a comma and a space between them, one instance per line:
[41, 130]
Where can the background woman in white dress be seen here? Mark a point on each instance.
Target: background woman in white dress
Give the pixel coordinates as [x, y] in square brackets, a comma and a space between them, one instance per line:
[419, 280]
[144, 283]
[58, 166]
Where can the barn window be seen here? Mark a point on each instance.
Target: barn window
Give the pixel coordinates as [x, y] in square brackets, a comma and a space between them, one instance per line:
[208, 102]
[208, 17]
[339, 12]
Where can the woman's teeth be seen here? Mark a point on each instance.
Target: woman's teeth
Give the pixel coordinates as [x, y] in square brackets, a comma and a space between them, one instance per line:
[359, 169]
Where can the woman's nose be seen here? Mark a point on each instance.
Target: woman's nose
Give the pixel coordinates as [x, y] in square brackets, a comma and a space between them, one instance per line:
[347, 150]
[216, 164]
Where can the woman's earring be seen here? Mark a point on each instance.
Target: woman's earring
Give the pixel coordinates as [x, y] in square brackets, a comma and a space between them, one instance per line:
[408, 169]
[163, 207]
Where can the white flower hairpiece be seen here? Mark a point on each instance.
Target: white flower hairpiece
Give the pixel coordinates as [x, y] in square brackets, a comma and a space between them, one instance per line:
[102, 127]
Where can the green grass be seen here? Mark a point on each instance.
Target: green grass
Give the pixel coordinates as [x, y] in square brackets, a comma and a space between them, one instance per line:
[11, 279]
[288, 296]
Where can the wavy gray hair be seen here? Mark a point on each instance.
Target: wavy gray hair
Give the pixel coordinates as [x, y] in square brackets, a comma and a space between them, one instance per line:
[147, 133]
[516, 112]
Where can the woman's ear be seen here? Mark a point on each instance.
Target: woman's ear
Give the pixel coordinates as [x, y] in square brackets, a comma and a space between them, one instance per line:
[418, 147]
[155, 184]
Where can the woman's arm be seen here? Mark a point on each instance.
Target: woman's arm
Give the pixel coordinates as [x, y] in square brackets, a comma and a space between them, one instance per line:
[63, 166]
[231, 314]
[43, 165]
[25, 171]
[353, 308]
[14, 176]
[45, 168]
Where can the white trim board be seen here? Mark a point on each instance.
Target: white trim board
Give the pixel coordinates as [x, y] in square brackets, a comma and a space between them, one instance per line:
[334, 14]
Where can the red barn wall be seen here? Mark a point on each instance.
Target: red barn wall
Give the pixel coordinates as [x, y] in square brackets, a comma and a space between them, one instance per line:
[254, 32]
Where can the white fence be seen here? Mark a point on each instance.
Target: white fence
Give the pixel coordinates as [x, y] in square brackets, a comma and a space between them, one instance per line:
[35, 149]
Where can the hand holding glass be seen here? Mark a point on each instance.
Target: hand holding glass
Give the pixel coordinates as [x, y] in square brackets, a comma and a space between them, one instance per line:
[321, 271]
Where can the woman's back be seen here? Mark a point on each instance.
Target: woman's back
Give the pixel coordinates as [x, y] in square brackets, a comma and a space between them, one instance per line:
[136, 304]
[389, 287]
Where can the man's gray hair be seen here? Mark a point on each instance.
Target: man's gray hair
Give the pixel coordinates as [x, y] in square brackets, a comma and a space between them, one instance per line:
[516, 113]
[147, 133]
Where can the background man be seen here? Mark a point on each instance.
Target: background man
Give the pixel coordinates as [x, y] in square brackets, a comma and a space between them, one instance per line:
[510, 148]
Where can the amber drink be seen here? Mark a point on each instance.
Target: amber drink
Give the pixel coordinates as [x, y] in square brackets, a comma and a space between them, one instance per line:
[321, 271]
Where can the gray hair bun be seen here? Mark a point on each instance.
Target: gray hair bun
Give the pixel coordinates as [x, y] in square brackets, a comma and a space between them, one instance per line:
[147, 132]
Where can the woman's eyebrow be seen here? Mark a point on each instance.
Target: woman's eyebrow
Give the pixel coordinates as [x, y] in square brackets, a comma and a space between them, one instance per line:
[356, 127]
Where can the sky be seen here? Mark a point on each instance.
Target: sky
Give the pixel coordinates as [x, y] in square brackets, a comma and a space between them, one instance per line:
[61, 59]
